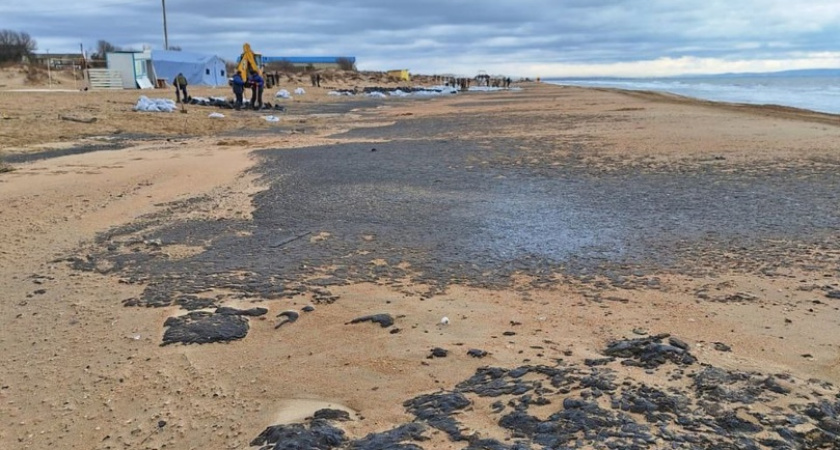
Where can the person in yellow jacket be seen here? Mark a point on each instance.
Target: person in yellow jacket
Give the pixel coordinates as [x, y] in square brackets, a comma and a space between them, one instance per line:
[180, 83]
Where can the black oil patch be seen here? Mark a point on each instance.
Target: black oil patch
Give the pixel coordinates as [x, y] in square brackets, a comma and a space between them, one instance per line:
[202, 327]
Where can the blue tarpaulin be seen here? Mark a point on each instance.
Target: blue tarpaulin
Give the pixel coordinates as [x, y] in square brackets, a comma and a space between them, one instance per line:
[206, 70]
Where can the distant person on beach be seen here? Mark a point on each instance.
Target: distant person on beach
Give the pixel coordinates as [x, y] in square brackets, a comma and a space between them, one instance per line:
[318, 79]
[257, 87]
[238, 89]
[180, 83]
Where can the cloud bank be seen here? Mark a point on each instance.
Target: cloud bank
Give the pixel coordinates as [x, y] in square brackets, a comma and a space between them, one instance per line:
[523, 38]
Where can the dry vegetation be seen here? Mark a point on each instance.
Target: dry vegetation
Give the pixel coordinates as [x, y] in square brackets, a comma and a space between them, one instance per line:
[17, 75]
[340, 77]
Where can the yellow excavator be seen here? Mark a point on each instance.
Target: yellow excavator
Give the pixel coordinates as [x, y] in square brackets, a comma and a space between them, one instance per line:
[248, 62]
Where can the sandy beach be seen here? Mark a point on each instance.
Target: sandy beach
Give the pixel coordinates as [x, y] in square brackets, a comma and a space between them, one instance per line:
[725, 302]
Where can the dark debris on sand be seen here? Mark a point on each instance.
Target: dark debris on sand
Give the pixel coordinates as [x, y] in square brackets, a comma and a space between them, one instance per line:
[592, 406]
[321, 434]
[204, 327]
[384, 320]
[651, 352]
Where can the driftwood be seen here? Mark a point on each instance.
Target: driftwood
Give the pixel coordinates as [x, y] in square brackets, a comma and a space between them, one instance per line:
[77, 119]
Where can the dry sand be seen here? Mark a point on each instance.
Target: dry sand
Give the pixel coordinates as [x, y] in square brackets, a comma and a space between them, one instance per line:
[79, 370]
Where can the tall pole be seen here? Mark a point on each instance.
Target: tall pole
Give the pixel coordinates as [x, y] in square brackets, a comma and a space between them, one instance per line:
[165, 33]
[49, 69]
[84, 62]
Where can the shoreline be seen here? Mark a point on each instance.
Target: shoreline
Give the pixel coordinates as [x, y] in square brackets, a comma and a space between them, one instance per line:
[783, 92]
[760, 109]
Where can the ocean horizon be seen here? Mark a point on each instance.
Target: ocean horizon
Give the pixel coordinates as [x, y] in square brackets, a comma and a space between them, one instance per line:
[815, 90]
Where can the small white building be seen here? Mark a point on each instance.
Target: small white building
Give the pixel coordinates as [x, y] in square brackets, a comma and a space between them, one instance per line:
[135, 68]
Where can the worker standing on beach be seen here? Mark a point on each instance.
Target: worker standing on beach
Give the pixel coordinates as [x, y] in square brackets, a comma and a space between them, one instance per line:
[257, 86]
[180, 83]
[238, 89]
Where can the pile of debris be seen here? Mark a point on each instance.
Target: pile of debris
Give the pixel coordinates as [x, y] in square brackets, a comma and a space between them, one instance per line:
[224, 103]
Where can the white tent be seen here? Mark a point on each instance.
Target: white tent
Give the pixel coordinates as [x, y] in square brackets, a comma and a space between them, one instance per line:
[199, 69]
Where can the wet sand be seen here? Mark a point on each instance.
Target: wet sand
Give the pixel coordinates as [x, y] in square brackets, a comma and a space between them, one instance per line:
[81, 370]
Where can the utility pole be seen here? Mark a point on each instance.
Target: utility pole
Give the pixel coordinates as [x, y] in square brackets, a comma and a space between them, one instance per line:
[165, 33]
[49, 69]
[83, 67]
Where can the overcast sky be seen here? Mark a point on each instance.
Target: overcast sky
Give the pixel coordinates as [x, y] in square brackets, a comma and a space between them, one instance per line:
[516, 37]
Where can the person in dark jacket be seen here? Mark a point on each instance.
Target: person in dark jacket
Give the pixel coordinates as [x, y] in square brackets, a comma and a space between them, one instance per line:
[257, 86]
[180, 83]
[238, 89]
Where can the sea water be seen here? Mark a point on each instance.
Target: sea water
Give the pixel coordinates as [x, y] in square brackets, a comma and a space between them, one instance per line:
[813, 92]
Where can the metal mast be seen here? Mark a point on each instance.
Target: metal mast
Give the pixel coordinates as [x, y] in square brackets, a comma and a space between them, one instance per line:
[165, 33]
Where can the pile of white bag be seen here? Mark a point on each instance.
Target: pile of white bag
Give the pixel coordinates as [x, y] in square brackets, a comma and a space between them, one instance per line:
[147, 104]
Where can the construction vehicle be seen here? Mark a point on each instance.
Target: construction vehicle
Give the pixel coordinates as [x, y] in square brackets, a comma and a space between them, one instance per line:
[250, 61]
[399, 75]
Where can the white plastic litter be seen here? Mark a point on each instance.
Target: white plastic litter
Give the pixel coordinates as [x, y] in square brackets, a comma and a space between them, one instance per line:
[282, 93]
[486, 89]
[147, 104]
[399, 93]
[300, 91]
[339, 94]
[215, 115]
[376, 94]
[271, 118]
[444, 320]
[443, 90]
[433, 91]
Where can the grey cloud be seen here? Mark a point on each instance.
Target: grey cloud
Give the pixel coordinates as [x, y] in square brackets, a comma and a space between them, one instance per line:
[421, 31]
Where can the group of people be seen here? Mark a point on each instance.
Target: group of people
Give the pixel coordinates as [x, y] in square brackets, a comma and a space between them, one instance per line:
[488, 81]
[480, 80]
[257, 84]
[255, 81]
